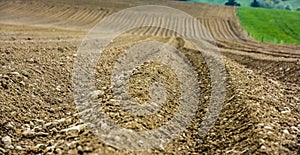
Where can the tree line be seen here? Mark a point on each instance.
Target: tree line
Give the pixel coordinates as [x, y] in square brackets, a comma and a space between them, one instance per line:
[278, 4]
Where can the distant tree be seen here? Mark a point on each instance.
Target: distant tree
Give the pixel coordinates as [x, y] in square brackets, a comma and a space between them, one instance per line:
[232, 3]
[277, 1]
[298, 9]
[267, 4]
[288, 7]
[279, 6]
[254, 3]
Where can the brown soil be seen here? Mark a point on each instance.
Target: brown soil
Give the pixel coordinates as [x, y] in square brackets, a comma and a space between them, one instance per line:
[39, 41]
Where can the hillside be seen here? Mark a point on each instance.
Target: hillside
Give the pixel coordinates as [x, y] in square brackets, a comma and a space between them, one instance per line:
[271, 25]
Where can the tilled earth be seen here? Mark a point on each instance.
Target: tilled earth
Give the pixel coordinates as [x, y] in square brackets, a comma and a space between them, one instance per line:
[38, 113]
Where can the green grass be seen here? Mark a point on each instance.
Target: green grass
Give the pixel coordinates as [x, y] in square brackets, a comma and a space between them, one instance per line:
[271, 25]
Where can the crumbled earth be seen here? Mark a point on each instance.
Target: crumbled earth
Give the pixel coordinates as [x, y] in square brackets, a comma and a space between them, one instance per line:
[261, 112]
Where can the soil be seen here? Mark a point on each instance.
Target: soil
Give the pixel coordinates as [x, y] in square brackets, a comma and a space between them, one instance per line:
[38, 48]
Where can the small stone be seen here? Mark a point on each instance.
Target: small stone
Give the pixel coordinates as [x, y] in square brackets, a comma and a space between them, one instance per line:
[41, 146]
[9, 125]
[54, 130]
[79, 148]
[74, 130]
[262, 140]
[22, 83]
[2, 150]
[140, 142]
[286, 111]
[270, 133]
[41, 134]
[286, 131]
[295, 129]
[50, 142]
[26, 126]
[9, 147]
[96, 93]
[15, 73]
[6, 140]
[33, 96]
[268, 127]
[19, 148]
[58, 88]
[37, 129]
[31, 124]
[31, 60]
[28, 133]
[58, 151]
[263, 147]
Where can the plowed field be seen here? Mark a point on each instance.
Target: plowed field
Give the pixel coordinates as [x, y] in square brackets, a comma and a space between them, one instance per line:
[39, 41]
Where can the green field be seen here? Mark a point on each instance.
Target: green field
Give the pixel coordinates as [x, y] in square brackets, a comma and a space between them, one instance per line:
[271, 25]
